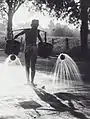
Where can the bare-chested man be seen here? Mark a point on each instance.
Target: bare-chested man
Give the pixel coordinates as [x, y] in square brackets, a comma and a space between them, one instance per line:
[31, 48]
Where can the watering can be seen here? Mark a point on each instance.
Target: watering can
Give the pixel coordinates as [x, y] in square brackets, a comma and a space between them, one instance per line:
[12, 47]
[45, 49]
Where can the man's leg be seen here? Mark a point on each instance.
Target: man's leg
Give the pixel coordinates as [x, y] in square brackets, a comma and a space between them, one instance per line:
[32, 72]
[27, 66]
[33, 63]
[27, 74]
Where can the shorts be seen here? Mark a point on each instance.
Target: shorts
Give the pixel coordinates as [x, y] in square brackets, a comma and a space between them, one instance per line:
[31, 55]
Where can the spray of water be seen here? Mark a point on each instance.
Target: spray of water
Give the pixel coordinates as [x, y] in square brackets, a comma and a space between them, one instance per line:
[12, 60]
[66, 71]
[12, 73]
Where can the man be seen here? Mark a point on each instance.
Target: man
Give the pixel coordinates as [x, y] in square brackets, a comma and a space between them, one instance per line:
[31, 48]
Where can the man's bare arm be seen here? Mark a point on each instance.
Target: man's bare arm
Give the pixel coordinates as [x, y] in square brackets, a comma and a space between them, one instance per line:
[21, 33]
[39, 37]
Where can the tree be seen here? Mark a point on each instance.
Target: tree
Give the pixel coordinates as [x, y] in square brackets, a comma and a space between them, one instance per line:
[76, 11]
[84, 25]
[61, 30]
[9, 7]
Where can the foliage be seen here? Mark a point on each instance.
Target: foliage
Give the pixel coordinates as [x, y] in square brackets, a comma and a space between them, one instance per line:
[77, 12]
[7, 5]
[61, 30]
[8, 8]
[61, 9]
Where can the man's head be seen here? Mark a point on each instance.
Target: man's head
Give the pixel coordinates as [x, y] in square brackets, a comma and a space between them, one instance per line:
[35, 23]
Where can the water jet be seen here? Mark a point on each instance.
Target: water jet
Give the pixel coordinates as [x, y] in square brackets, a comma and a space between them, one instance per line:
[12, 73]
[66, 71]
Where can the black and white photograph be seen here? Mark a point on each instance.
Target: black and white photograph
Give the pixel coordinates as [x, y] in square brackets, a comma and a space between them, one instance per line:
[44, 59]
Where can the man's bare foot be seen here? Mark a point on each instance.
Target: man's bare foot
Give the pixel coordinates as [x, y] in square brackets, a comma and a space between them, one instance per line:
[33, 84]
[28, 82]
[43, 87]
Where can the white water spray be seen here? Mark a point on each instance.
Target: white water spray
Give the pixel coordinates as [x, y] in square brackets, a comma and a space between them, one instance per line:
[12, 73]
[66, 71]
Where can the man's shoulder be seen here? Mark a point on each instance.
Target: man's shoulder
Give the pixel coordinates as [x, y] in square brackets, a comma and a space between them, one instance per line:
[28, 29]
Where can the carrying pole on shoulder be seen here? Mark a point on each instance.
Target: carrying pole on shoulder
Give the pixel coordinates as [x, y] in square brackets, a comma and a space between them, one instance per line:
[27, 29]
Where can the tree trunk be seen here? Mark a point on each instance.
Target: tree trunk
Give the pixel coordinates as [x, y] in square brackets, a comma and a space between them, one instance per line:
[84, 27]
[9, 25]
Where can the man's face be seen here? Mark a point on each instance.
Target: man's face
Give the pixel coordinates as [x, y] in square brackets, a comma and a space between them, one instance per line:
[34, 26]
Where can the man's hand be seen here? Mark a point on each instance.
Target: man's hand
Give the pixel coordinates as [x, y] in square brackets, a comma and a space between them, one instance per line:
[15, 37]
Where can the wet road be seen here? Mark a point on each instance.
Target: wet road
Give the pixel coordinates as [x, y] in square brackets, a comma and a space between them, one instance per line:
[14, 91]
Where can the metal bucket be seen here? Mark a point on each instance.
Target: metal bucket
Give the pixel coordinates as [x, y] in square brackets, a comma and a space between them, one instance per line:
[12, 47]
[44, 49]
